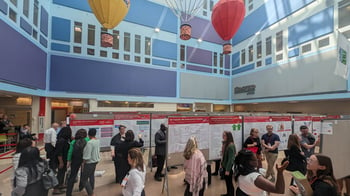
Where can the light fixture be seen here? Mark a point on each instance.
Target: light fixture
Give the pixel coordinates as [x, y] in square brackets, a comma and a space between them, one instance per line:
[199, 40]
[157, 30]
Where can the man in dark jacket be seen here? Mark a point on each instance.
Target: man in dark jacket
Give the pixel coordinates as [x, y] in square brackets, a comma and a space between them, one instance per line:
[117, 139]
[160, 140]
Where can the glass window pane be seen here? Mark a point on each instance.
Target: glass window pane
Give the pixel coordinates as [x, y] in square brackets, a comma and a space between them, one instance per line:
[182, 53]
[126, 43]
[279, 41]
[126, 57]
[243, 57]
[77, 32]
[36, 13]
[116, 40]
[103, 53]
[268, 46]
[258, 50]
[148, 46]
[215, 59]
[115, 55]
[90, 51]
[77, 49]
[344, 13]
[26, 8]
[221, 60]
[137, 44]
[13, 15]
[91, 35]
[251, 53]
[14, 2]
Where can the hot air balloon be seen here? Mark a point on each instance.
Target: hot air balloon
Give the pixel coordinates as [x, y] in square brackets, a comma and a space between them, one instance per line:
[226, 18]
[109, 13]
[185, 10]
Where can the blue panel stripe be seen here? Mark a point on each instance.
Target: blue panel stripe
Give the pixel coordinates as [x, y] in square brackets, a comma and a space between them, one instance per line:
[236, 59]
[313, 27]
[268, 61]
[164, 49]
[160, 62]
[44, 21]
[293, 53]
[43, 41]
[3, 7]
[26, 26]
[60, 29]
[243, 69]
[60, 47]
[266, 15]
[80, 5]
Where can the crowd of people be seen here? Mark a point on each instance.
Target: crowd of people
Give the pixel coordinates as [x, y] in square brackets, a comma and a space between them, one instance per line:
[65, 153]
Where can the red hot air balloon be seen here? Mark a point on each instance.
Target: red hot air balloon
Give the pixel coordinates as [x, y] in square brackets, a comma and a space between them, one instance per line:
[226, 18]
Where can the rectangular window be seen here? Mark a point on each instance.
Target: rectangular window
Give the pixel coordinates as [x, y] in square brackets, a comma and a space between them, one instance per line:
[258, 64]
[90, 51]
[26, 8]
[77, 49]
[323, 42]
[103, 31]
[251, 53]
[115, 55]
[126, 43]
[215, 59]
[36, 12]
[250, 8]
[221, 60]
[137, 59]
[116, 40]
[258, 50]
[148, 45]
[126, 57]
[279, 41]
[103, 53]
[148, 60]
[35, 34]
[91, 35]
[14, 2]
[77, 32]
[182, 53]
[268, 46]
[243, 57]
[205, 7]
[138, 44]
[13, 15]
[343, 13]
[211, 5]
[173, 64]
[306, 48]
[279, 57]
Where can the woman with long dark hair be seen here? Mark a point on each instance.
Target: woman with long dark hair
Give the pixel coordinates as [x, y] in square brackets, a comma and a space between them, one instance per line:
[253, 144]
[229, 153]
[28, 175]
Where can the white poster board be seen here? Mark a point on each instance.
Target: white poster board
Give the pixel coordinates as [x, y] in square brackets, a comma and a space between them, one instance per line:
[258, 122]
[219, 124]
[139, 123]
[156, 121]
[104, 129]
[282, 126]
[302, 120]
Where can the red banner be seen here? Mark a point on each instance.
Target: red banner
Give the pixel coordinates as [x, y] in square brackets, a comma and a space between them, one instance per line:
[131, 116]
[188, 120]
[91, 122]
[225, 119]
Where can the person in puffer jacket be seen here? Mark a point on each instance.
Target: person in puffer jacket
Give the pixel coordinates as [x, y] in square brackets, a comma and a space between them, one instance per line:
[134, 182]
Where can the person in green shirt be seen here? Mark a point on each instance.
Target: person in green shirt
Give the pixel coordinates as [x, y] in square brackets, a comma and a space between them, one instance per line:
[229, 153]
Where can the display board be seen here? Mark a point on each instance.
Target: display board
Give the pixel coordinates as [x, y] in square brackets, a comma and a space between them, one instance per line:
[258, 122]
[219, 124]
[302, 120]
[180, 130]
[337, 146]
[139, 123]
[156, 121]
[104, 129]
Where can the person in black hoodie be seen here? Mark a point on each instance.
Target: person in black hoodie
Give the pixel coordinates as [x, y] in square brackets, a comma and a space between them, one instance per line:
[160, 140]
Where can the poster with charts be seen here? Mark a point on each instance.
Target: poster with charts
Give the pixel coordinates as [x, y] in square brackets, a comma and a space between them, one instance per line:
[139, 123]
[302, 120]
[282, 126]
[219, 124]
[182, 128]
[258, 122]
[104, 129]
[156, 121]
[316, 125]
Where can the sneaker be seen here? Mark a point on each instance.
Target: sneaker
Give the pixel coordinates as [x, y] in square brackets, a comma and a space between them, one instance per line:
[157, 178]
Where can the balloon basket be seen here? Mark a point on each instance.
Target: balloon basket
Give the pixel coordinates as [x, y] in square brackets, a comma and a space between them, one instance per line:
[185, 30]
[227, 48]
[106, 40]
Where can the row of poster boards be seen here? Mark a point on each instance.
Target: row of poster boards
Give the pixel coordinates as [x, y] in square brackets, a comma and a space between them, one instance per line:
[207, 129]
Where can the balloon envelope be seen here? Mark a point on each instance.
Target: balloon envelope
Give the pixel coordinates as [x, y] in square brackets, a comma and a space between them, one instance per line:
[227, 16]
[109, 12]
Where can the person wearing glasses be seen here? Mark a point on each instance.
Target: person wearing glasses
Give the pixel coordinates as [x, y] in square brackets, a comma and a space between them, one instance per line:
[270, 141]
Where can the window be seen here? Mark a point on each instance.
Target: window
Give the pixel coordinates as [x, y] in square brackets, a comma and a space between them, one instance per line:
[103, 53]
[115, 55]
[182, 53]
[306, 48]
[279, 41]
[35, 34]
[148, 60]
[14, 2]
[205, 7]
[137, 59]
[344, 13]
[221, 60]
[251, 53]
[268, 46]
[279, 57]
[173, 64]
[103, 30]
[137, 44]
[258, 50]
[127, 44]
[323, 42]
[91, 35]
[243, 57]
[250, 8]
[126, 57]
[36, 13]
[26, 8]
[77, 49]
[77, 32]
[147, 46]
[115, 40]
[211, 5]
[215, 59]
[258, 64]
[13, 15]
[90, 51]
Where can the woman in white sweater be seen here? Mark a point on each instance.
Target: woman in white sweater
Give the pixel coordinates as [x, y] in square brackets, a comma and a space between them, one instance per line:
[134, 182]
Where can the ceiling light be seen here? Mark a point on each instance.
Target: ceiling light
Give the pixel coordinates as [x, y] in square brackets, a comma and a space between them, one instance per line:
[199, 40]
[157, 30]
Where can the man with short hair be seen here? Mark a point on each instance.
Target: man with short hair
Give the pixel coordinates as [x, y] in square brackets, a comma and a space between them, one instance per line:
[270, 141]
[160, 140]
[308, 141]
[117, 139]
[50, 137]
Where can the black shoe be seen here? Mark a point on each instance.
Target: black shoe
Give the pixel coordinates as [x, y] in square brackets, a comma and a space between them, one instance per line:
[157, 178]
[224, 194]
[173, 167]
[161, 175]
[214, 174]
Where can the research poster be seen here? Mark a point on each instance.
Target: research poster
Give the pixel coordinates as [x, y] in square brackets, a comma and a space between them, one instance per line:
[327, 127]
[316, 125]
[182, 128]
[258, 122]
[139, 123]
[283, 128]
[302, 120]
[156, 121]
[104, 129]
[219, 124]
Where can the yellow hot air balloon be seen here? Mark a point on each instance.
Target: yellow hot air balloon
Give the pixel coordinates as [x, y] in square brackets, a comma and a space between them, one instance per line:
[110, 12]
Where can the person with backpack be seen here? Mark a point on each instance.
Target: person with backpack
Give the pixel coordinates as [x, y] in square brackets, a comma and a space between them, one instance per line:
[75, 157]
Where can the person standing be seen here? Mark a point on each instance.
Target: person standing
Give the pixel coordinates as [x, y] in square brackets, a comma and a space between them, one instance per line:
[50, 137]
[160, 140]
[116, 140]
[195, 167]
[253, 144]
[228, 158]
[270, 141]
[308, 141]
[91, 156]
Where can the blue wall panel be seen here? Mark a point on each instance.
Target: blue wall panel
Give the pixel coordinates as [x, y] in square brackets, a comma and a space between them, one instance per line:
[60, 29]
[60, 47]
[76, 4]
[3, 7]
[268, 61]
[266, 15]
[243, 69]
[21, 61]
[109, 78]
[199, 56]
[26, 26]
[164, 49]
[44, 21]
[313, 27]
[160, 62]
[236, 59]
[293, 53]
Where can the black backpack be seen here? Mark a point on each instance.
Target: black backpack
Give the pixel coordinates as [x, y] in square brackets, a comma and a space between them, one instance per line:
[78, 149]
